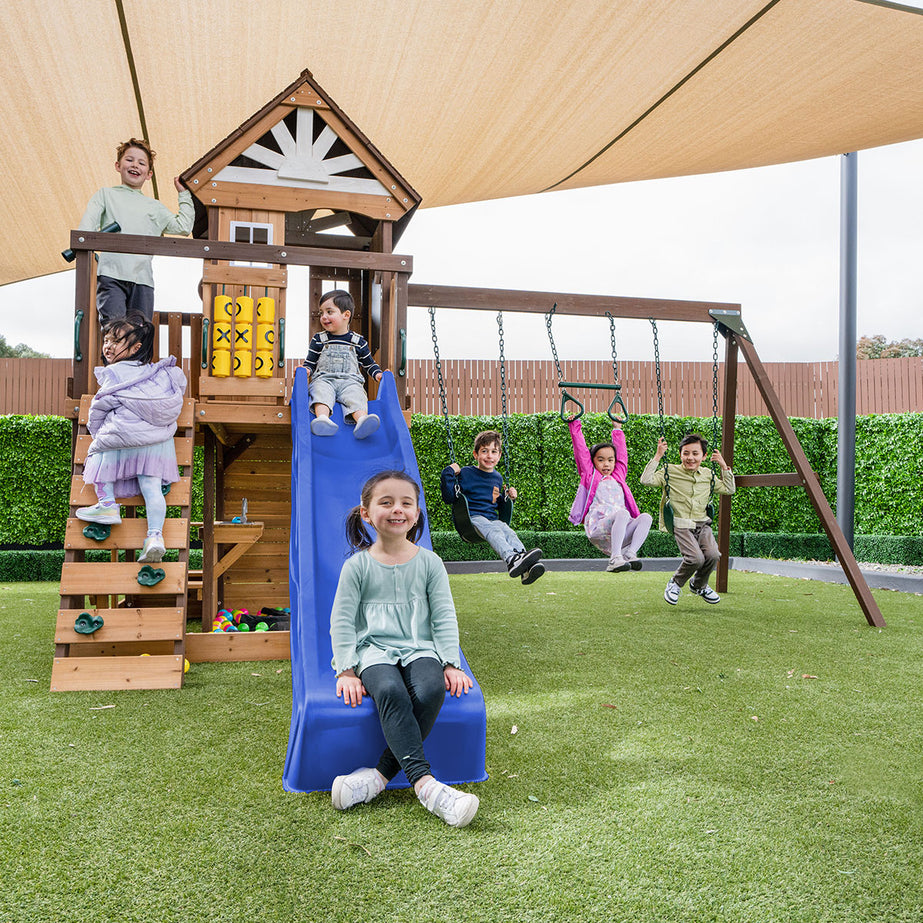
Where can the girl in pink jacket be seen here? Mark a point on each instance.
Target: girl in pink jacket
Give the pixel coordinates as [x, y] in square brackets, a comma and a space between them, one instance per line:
[604, 503]
[133, 420]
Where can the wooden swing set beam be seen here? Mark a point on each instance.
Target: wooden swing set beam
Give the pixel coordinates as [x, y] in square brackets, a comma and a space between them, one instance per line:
[498, 299]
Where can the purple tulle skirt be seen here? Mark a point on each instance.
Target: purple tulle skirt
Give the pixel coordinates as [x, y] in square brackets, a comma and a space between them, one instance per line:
[121, 467]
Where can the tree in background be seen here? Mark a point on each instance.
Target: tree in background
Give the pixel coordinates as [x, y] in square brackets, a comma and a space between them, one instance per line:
[21, 351]
[877, 347]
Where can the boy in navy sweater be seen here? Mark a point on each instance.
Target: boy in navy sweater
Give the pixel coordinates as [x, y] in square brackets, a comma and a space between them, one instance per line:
[482, 486]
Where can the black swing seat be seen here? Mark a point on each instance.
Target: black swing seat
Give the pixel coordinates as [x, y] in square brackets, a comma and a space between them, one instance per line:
[461, 516]
[668, 515]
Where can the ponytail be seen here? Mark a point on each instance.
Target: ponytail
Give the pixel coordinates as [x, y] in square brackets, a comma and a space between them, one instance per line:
[356, 533]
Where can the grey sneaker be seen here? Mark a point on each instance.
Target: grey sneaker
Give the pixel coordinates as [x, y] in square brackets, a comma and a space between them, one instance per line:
[617, 564]
[153, 549]
[367, 425]
[671, 593]
[323, 426]
[633, 561]
[358, 787]
[707, 593]
[456, 808]
[104, 515]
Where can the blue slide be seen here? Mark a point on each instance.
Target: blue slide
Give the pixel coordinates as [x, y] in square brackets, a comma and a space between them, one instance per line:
[328, 738]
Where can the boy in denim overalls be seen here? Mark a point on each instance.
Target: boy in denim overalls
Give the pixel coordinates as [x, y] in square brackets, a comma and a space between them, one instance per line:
[333, 361]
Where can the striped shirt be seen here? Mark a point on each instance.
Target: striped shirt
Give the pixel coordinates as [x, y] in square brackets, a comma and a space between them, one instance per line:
[359, 344]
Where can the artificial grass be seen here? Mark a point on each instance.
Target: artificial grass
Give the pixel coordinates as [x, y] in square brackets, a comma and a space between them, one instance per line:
[759, 760]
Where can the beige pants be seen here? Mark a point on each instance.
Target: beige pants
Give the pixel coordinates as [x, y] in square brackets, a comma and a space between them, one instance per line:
[700, 555]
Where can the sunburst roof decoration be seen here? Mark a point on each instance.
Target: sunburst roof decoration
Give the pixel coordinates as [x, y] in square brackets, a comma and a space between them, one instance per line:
[300, 153]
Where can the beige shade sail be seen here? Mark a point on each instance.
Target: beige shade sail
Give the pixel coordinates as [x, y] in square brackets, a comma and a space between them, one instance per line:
[468, 100]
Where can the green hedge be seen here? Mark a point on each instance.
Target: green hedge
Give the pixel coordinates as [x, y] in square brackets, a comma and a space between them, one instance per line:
[35, 465]
[45, 565]
[35, 468]
[889, 493]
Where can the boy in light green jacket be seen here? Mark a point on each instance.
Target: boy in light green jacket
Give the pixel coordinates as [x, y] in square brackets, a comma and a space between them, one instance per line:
[690, 490]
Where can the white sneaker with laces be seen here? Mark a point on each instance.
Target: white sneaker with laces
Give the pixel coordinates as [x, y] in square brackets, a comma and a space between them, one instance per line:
[671, 593]
[456, 808]
[104, 515]
[153, 549]
[358, 787]
[707, 593]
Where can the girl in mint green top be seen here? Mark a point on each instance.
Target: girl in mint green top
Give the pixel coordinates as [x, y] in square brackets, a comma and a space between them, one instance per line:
[395, 639]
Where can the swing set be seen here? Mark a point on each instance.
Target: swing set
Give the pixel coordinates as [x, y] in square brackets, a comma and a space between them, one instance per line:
[727, 322]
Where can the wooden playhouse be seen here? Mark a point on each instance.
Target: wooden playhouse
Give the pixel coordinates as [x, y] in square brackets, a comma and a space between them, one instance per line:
[296, 184]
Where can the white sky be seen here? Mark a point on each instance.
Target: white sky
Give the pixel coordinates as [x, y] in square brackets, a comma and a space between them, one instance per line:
[767, 239]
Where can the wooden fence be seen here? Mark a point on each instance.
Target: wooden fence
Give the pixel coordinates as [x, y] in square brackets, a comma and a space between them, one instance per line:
[806, 389]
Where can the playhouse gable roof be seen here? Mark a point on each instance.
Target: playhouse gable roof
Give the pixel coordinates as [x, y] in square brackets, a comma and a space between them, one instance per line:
[301, 152]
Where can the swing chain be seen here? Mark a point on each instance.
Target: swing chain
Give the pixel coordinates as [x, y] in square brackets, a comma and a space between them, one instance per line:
[615, 355]
[554, 351]
[506, 443]
[445, 406]
[663, 432]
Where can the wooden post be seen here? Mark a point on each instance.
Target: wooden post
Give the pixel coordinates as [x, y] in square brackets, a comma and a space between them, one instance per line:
[209, 513]
[400, 315]
[812, 486]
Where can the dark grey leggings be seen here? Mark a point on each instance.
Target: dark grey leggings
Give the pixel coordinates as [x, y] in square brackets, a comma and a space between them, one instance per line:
[408, 699]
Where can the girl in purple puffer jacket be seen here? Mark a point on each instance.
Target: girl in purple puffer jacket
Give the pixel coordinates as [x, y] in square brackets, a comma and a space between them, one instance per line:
[604, 504]
[132, 420]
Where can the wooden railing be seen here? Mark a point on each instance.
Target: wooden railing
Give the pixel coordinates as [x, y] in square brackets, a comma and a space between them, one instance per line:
[806, 389]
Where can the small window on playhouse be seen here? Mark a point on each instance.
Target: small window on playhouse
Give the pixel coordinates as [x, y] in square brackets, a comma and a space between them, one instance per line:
[248, 232]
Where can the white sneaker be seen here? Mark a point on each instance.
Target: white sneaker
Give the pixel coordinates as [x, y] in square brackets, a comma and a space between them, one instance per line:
[323, 426]
[456, 808]
[617, 564]
[671, 593]
[707, 593]
[153, 549]
[367, 425]
[104, 515]
[358, 787]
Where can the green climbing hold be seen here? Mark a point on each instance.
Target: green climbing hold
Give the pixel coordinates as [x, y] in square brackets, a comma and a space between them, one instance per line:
[151, 576]
[97, 531]
[86, 624]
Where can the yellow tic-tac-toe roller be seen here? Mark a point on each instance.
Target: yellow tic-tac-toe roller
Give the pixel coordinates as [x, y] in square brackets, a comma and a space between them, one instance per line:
[221, 336]
[265, 336]
[264, 364]
[266, 311]
[243, 336]
[221, 363]
[243, 363]
[223, 310]
[244, 312]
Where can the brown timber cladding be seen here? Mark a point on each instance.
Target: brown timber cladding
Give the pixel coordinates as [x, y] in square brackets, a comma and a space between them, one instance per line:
[806, 389]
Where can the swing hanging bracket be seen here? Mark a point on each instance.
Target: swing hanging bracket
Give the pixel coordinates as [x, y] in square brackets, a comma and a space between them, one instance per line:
[730, 320]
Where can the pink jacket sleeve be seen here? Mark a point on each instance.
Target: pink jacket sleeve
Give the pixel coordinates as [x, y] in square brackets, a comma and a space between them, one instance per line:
[581, 452]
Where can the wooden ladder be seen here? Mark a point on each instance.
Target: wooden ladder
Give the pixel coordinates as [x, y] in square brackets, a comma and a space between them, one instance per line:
[141, 642]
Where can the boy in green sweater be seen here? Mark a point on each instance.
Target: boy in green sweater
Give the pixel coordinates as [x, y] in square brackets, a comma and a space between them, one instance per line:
[125, 281]
[689, 494]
